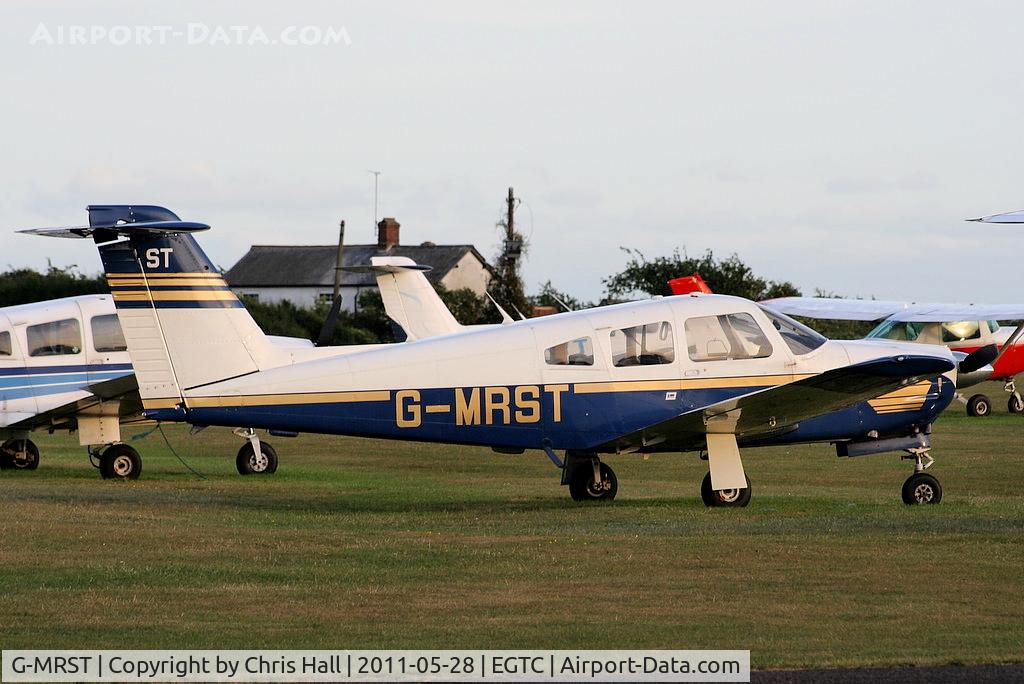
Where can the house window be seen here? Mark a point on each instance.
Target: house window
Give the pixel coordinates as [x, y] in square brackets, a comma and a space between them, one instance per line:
[250, 297]
[578, 352]
[730, 336]
[55, 339]
[5, 344]
[325, 298]
[106, 334]
[643, 345]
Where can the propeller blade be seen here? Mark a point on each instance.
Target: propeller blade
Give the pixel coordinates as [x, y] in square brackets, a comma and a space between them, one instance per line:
[979, 358]
[330, 323]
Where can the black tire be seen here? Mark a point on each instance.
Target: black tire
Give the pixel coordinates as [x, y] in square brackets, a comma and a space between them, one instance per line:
[979, 406]
[247, 464]
[1015, 404]
[9, 459]
[120, 462]
[725, 498]
[583, 488]
[920, 489]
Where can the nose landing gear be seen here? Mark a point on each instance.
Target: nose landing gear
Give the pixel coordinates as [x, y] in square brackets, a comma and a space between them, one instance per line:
[921, 488]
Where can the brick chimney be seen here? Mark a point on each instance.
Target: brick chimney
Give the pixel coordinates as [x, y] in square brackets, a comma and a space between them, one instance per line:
[387, 233]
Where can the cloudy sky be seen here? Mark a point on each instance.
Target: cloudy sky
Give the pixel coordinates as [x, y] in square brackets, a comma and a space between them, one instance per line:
[839, 145]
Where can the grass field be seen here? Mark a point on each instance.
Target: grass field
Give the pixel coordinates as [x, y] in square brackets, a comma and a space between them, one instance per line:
[367, 544]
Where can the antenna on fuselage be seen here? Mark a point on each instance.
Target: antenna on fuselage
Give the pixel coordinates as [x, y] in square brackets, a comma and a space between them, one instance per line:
[505, 318]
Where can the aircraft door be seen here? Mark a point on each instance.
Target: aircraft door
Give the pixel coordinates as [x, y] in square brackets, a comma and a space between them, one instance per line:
[727, 354]
[16, 394]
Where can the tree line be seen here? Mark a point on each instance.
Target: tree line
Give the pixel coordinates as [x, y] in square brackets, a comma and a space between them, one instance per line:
[640, 277]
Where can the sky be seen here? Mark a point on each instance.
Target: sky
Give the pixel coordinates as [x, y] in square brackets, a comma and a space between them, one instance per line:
[837, 145]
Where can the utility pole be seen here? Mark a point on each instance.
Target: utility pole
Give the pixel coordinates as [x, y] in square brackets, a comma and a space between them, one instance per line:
[376, 178]
[508, 287]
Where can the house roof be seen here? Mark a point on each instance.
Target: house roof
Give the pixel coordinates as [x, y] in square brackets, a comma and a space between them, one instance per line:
[313, 265]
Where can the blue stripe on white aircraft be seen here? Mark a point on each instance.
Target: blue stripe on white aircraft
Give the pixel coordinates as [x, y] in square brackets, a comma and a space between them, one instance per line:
[690, 373]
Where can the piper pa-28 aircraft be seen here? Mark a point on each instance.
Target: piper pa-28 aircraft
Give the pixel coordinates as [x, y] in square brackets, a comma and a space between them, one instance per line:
[703, 373]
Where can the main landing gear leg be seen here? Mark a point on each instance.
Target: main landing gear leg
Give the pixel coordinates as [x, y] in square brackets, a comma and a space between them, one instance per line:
[117, 462]
[921, 488]
[255, 457]
[589, 478]
[725, 469]
[1015, 403]
[19, 454]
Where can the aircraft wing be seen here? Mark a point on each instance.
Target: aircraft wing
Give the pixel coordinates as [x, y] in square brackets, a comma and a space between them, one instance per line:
[873, 310]
[779, 409]
[125, 389]
[1008, 217]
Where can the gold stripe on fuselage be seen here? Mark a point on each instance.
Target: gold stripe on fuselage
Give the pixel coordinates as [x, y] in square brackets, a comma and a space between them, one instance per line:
[697, 383]
[173, 295]
[283, 399]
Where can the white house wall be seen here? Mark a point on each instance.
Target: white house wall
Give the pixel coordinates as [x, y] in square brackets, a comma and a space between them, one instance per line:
[468, 272]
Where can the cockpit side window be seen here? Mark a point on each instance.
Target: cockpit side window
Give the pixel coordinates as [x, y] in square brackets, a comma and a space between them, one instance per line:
[724, 337]
[578, 352]
[6, 349]
[55, 339]
[798, 337]
[901, 331]
[643, 345]
[961, 331]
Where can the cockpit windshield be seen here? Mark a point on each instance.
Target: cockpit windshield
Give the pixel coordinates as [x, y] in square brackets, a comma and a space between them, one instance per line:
[798, 337]
[902, 331]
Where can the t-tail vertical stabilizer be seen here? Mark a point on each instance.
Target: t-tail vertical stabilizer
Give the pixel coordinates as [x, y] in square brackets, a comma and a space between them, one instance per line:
[183, 325]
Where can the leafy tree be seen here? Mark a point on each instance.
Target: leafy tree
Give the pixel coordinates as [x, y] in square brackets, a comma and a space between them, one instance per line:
[550, 296]
[724, 276]
[25, 285]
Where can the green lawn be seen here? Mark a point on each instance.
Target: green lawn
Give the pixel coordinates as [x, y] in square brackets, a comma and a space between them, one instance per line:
[368, 544]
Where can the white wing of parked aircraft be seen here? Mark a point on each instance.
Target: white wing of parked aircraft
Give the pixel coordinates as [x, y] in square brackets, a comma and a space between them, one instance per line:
[876, 310]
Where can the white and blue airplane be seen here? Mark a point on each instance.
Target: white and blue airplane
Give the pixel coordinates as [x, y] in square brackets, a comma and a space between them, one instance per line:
[695, 373]
[64, 365]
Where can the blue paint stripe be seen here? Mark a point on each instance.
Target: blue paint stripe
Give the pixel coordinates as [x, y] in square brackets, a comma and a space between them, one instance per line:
[189, 304]
[78, 368]
[59, 378]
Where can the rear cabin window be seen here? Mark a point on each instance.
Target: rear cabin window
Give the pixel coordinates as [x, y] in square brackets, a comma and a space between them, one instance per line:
[729, 336]
[643, 345]
[5, 344]
[578, 352]
[106, 334]
[55, 339]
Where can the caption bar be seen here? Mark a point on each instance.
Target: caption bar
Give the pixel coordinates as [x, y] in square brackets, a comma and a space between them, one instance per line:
[370, 666]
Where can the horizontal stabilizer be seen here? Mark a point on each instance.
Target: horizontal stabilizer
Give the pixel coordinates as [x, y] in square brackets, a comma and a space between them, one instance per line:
[151, 227]
[387, 268]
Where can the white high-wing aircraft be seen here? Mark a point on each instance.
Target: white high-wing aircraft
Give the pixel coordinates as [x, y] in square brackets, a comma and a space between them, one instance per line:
[64, 365]
[701, 373]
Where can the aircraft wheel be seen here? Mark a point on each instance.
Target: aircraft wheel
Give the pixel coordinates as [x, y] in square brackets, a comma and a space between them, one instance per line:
[921, 488]
[979, 406]
[247, 463]
[730, 498]
[9, 455]
[582, 487]
[120, 462]
[1015, 404]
